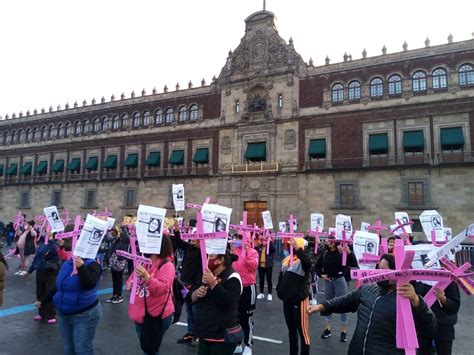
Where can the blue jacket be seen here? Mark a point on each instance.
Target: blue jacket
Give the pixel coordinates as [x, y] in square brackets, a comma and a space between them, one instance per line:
[45, 252]
[71, 297]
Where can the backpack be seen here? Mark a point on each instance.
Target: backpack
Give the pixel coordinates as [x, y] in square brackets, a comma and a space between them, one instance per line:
[178, 293]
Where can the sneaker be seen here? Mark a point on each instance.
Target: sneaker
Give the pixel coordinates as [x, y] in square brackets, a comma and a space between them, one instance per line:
[22, 273]
[18, 272]
[195, 342]
[326, 334]
[117, 300]
[269, 298]
[238, 349]
[37, 318]
[343, 337]
[110, 300]
[247, 351]
[313, 301]
[52, 321]
[186, 339]
[260, 296]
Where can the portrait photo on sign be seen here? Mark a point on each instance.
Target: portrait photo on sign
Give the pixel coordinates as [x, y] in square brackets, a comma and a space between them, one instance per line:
[220, 224]
[370, 247]
[95, 236]
[179, 194]
[55, 216]
[154, 225]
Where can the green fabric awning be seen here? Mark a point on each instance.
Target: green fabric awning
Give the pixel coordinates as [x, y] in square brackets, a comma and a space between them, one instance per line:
[42, 167]
[378, 143]
[154, 159]
[413, 139]
[58, 166]
[452, 136]
[26, 168]
[111, 162]
[74, 165]
[317, 148]
[1, 169]
[12, 170]
[256, 151]
[201, 156]
[177, 157]
[131, 161]
[92, 164]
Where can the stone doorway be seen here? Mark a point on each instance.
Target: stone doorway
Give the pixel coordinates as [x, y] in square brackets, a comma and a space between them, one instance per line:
[254, 211]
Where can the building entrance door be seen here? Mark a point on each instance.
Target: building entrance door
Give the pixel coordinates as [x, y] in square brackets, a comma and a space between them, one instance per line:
[254, 211]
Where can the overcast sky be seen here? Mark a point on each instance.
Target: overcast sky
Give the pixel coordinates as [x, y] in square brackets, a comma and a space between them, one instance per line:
[58, 51]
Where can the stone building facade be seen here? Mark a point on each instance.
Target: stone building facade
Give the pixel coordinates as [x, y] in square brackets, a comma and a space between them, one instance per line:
[364, 137]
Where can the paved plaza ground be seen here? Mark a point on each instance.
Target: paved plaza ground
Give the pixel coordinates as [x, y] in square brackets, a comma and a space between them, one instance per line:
[20, 335]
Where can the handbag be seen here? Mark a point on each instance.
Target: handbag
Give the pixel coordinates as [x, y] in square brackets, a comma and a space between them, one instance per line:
[116, 264]
[50, 265]
[233, 335]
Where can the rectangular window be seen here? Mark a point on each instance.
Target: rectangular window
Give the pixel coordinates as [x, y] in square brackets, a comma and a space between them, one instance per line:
[416, 194]
[130, 198]
[347, 195]
[280, 101]
[237, 106]
[56, 198]
[90, 199]
[25, 199]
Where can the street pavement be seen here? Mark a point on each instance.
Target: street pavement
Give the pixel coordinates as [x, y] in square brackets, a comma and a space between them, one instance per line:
[20, 335]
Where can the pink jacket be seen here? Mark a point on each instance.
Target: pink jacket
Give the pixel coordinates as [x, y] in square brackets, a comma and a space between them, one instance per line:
[157, 291]
[246, 266]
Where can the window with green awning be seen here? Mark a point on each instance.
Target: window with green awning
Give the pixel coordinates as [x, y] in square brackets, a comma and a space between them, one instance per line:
[176, 158]
[256, 151]
[42, 167]
[201, 156]
[12, 170]
[131, 161]
[317, 148]
[452, 138]
[154, 159]
[92, 164]
[111, 162]
[378, 143]
[74, 165]
[26, 169]
[58, 166]
[1, 169]
[413, 141]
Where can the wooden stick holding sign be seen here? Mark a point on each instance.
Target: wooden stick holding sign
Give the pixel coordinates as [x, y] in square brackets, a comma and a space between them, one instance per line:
[290, 235]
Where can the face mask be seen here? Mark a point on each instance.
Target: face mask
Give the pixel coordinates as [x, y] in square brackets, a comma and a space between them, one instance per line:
[286, 253]
[237, 243]
[212, 265]
[384, 283]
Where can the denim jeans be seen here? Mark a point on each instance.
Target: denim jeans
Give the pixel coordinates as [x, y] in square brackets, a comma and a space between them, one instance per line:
[190, 310]
[165, 324]
[335, 288]
[78, 331]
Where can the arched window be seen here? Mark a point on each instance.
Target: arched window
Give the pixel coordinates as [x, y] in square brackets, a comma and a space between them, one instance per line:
[96, 125]
[86, 125]
[466, 75]
[5, 138]
[159, 116]
[376, 87]
[136, 119]
[354, 90]
[34, 135]
[59, 131]
[77, 127]
[27, 134]
[193, 112]
[146, 118]
[21, 135]
[440, 78]
[43, 132]
[68, 129]
[169, 115]
[13, 137]
[105, 123]
[50, 131]
[419, 81]
[125, 120]
[182, 114]
[116, 122]
[395, 85]
[337, 93]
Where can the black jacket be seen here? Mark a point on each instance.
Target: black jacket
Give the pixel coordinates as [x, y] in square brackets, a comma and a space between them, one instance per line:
[121, 242]
[191, 266]
[446, 316]
[269, 257]
[330, 263]
[293, 281]
[375, 332]
[218, 310]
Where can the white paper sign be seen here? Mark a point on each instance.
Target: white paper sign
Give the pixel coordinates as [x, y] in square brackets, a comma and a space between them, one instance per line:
[215, 218]
[403, 218]
[332, 231]
[178, 197]
[317, 220]
[343, 223]
[432, 220]
[282, 226]
[295, 224]
[267, 220]
[365, 242]
[53, 218]
[91, 236]
[364, 227]
[110, 222]
[397, 231]
[448, 234]
[149, 226]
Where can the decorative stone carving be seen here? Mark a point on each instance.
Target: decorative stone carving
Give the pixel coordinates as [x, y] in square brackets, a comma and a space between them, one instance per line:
[226, 145]
[254, 184]
[290, 139]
